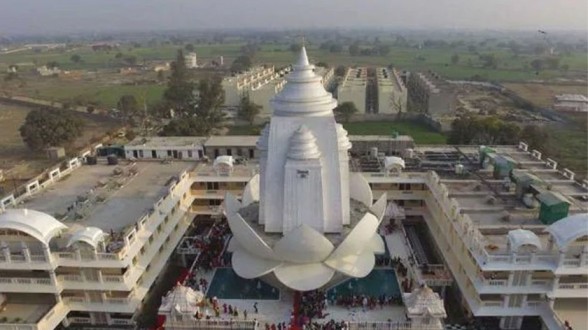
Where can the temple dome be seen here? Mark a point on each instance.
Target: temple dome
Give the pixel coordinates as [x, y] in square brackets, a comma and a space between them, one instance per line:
[304, 94]
[303, 145]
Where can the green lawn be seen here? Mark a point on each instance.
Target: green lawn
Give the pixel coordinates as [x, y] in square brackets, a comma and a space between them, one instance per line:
[104, 95]
[419, 132]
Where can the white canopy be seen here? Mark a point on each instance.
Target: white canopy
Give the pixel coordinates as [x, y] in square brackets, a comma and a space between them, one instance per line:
[424, 301]
[89, 235]
[393, 162]
[224, 160]
[182, 300]
[569, 229]
[520, 237]
[37, 224]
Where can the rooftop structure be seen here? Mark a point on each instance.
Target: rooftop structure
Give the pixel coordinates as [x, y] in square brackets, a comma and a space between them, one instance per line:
[392, 93]
[571, 102]
[353, 88]
[430, 93]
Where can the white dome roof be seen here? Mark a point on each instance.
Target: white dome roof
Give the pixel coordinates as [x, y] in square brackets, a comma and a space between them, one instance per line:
[569, 229]
[520, 237]
[89, 235]
[37, 224]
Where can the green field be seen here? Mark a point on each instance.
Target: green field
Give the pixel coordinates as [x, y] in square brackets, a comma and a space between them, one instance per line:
[510, 68]
[419, 132]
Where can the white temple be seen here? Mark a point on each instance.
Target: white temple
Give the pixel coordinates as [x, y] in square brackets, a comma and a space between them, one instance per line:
[295, 219]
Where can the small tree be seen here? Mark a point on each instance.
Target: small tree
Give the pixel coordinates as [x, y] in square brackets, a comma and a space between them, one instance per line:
[44, 127]
[128, 106]
[454, 59]
[189, 47]
[76, 58]
[52, 64]
[248, 110]
[131, 60]
[345, 111]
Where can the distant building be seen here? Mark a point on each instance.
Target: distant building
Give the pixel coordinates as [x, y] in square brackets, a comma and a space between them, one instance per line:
[571, 102]
[191, 61]
[44, 71]
[392, 94]
[328, 75]
[154, 147]
[429, 93]
[162, 67]
[353, 88]
[260, 84]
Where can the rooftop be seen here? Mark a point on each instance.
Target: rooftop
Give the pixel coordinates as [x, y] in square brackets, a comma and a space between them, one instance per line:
[96, 196]
[166, 141]
[231, 140]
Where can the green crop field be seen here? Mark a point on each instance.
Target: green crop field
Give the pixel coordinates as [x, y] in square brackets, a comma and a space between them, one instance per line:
[419, 132]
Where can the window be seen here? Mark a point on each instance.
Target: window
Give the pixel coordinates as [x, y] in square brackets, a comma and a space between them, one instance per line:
[216, 153]
[229, 152]
[189, 153]
[140, 153]
[153, 154]
[169, 153]
[251, 153]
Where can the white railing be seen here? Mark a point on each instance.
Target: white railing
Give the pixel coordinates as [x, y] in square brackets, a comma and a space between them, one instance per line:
[25, 280]
[493, 303]
[80, 320]
[496, 282]
[112, 278]
[572, 286]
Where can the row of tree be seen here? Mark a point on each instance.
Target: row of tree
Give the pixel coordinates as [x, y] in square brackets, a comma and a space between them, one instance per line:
[472, 129]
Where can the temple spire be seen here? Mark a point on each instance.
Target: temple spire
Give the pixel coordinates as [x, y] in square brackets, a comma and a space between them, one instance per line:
[302, 57]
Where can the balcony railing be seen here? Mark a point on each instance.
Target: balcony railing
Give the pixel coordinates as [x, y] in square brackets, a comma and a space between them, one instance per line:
[25, 280]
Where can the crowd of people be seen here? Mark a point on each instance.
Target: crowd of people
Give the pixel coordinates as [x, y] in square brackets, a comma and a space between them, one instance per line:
[212, 247]
[368, 302]
[312, 306]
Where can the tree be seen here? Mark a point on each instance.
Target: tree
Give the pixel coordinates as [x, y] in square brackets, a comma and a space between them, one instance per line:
[241, 63]
[383, 50]
[189, 47]
[90, 109]
[537, 64]
[118, 55]
[454, 59]
[470, 129]
[128, 106]
[340, 71]
[160, 76]
[45, 127]
[295, 48]
[76, 58]
[180, 89]
[489, 61]
[248, 110]
[345, 111]
[52, 64]
[131, 60]
[354, 49]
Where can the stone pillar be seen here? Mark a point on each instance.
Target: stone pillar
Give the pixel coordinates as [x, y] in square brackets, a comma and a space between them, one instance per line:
[47, 253]
[53, 277]
[555, 283]
[108, 319]
[6, 251]
[26, 252]
[562, 258]
[510, 278]
[99, 275]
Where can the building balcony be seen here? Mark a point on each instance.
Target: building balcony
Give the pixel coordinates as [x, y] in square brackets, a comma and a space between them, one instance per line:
[215, 194]
[206, 209]
[500, 286]
[18, 261]
[570, 290]
[27, 284]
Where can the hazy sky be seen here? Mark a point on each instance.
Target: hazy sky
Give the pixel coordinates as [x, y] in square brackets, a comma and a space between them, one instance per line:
[37, 16]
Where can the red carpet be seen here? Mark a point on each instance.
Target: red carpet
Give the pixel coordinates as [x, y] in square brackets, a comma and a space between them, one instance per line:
[183, 275]
[296, 311]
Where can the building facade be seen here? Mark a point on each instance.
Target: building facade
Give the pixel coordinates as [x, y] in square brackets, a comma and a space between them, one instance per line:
[428, 93]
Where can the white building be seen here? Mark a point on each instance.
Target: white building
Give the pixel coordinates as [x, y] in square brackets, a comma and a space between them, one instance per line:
[571, 102]
[169, 147]
[87, 251]
[392, 94]
[44, 71]
[191, 61]
[353, 88]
